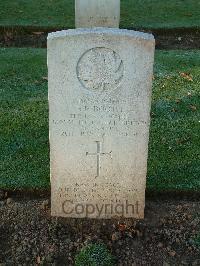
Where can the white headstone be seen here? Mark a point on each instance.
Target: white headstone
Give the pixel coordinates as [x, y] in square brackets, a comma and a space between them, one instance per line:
[99, 101]
[97, 13]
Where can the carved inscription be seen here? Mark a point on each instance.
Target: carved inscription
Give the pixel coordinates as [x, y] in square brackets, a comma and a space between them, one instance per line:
[100, 69]
[80, 190]
[109, 118]
[98, 154]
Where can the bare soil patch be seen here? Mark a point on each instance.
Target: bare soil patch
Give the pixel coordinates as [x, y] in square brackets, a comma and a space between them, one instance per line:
[180, 38]
[30, 236]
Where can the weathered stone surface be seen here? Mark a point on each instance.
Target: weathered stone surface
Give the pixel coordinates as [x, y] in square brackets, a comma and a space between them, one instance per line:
[100, 13]
[99, 101]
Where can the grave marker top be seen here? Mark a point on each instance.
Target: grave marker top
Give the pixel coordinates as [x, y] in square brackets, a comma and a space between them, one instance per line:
[97, 13]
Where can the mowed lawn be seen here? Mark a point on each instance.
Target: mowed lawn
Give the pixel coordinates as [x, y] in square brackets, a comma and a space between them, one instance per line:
[174, 156]
[134, 13]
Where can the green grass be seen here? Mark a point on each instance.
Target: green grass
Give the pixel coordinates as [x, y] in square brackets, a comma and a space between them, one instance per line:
[94, 255]
[174, 158]
[134, 13]
[196, 241]
[174, 162]
[24, 119]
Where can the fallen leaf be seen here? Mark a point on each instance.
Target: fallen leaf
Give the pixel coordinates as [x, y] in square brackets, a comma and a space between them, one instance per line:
[160, 245]
[115, 236]
[122, 227]
[38, 32]
[38, 260]
[193, 108]
[178, 101]
[188, 14]
[183, 140]
[186, 76]
[172, 253]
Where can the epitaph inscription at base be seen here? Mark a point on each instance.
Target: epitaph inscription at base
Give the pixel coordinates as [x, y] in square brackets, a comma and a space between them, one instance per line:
[99, 102]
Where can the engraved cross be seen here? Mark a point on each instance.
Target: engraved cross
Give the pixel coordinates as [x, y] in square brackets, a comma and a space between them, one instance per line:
[98, 154]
